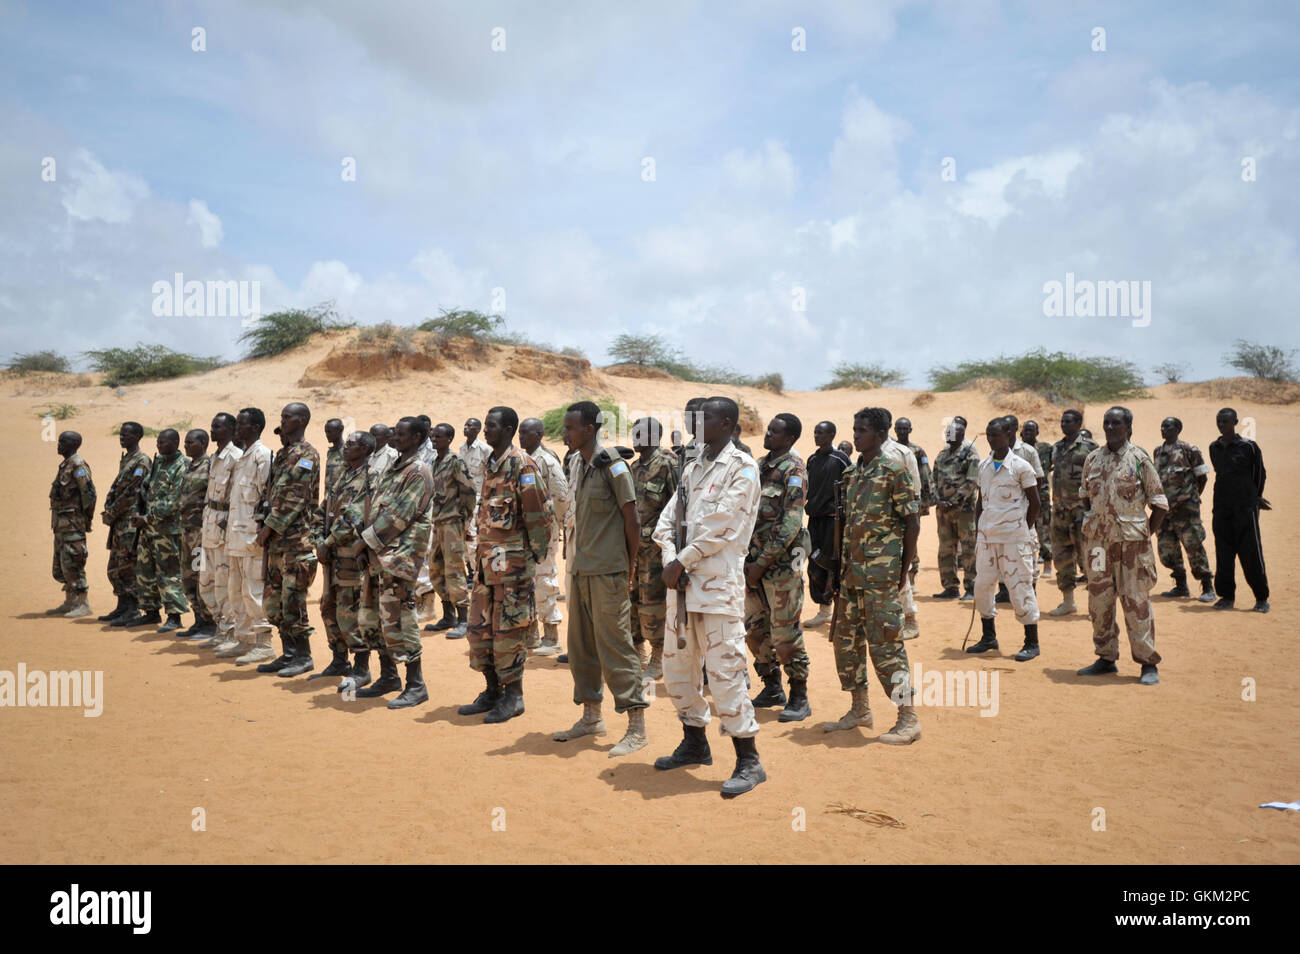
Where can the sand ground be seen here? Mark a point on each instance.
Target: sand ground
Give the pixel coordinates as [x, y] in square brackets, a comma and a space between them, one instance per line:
[285, 771]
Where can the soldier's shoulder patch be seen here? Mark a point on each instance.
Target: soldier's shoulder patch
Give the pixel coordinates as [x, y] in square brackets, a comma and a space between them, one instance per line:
[748, 473]
[923, 459]
[795, 481]
[306, 463]
[137, 472]
[527, 480]
[618, 467]
[81, 472]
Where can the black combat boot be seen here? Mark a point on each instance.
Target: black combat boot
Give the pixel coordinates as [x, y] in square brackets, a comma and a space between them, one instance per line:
[461, 627]
[1102, 667]
[388, 681]
[948, 593]
[485, 699]
[447, 622]
[151, 618]
[749, 770]
[1003, 596]
[172, 624]
[118, 610]
[301, 661]
[1030, 649]
[772, 694]
[968, 593]
[338, 666]
[797, 709]
[988, 640]
[1180, 585]
[287, 650]
[415, 691]
[360, 675]
[692, 750]
[509, 704]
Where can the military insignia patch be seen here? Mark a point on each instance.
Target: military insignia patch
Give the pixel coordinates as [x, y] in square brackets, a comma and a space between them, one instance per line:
[137, 472]
[618, 467]
[748, 472]
[527, 480]
[794, 481]
[305, 464]
[81, 472]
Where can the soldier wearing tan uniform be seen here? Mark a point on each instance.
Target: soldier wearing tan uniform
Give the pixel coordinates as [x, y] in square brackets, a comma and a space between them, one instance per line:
[546, 584]
[722, 489]
[214, 567]
[250, 640]
[1119, 483]
[474, 453]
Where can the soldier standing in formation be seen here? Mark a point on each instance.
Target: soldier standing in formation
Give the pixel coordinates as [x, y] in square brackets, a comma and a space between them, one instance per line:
[826, 466]
[474, 453]
[1043, 526]
[385, 453]
[721, 486]
[547, 581]
[778, 548]
[454, 498]
[514, 533]
[1239, 477]
[903, 430]
[249, 640]
[956, 487]
[214, 566]
[1068, 455]
[72, 513]
[1119, 482]
[194, 491]
[654, 474]
[880, 530]
[333, 452]
[158, 549]
[119, 505]
[1183, 473]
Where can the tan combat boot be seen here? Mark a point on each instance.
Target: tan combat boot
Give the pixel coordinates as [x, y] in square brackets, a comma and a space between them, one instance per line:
[859, 714]
[69, 601]
[550, 645]
[821, 619]
[634, 738]
[591, 723]
[260, 652]
[532, 641]
[78, 608]
[906, 730]
[236, 648]
[655, 670]
[911, 628]
[1067, 604]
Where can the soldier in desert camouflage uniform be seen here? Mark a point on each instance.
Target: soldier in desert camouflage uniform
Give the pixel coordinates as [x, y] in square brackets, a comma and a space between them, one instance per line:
[336, 534]
[72, 512]
[158, 551]
[1068, 455]
[546, 583]
[287, 508]
[474, 452]
[654, 473]
[1119, 482]
[119, 505]
[880, 530]
[956, 489]
[774, 565]
[514, 533]
[194, 491]
[454, 498]
[721, 486]
[1183, 473]
[397, 533]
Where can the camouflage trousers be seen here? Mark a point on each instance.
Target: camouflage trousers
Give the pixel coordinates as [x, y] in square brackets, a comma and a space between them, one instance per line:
[122, 542]
[546, 583]
[648, 595]
[1126, 570]
[158, 572]
[69, 567]
[372, 632]
[1182, 530]
[500, 618]
[869, 624]
[1012, 564]
[214, 588]
[956, 542]
[772, 630]
[397, 617]
[714, 643]
[1067, 545]
[191, 563]
[340, 604]
[447, 563]
[289, 576]
[1043, 525]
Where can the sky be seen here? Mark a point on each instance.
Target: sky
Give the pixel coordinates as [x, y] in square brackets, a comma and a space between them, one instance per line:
[767, 185]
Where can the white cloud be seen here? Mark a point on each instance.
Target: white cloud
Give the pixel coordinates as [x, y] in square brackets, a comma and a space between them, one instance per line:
[97, 194]
[984, 192]
[208, 222]
[770, 168]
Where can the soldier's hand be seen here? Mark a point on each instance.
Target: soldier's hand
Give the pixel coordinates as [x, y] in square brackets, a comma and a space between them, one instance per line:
[672, 574]
[138, 521]
[264, 535]
[323, 553]
[222, 523]
[753, 575]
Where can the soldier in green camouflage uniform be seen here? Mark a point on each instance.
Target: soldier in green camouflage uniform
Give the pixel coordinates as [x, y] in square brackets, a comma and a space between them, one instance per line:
[514, 532]
[336, 534]
[1068, 455]
[158, 553]
[334, 453]
[774, 567]
[397, 533]
[903, 430]
[1043, 526]
[1184, 473]
[654, 473]
[879, 541]
[287, 507]
[956, 490]
[194, 492]
[454, 498]
[72, 511]
[122, 500]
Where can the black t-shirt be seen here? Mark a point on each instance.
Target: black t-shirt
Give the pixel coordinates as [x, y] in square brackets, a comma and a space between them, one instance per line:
[1238, 474]
[824, 471]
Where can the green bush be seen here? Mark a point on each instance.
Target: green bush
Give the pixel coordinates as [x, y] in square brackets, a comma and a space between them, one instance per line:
[866, 376]
[1059, 377]
[771, 382]
[39, 361]
[147, 363]
[279, 331]
[388, 337]
[1171, 372]
[613, 424]
[1267, 362]
[466, 323]
[60, 412]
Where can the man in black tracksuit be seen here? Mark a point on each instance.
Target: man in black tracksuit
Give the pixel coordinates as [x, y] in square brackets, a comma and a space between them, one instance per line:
[1238, 497]
[825, 467]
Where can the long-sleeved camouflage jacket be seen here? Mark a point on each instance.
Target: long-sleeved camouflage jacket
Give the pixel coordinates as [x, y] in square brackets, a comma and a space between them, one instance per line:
[453, 489]
[72, 499]
[1118, 486]
[656, 482]
[338, 521]
[1067, 470]
[398, 519]
[290, 499]
[132, 475]
[194, 492]
[878, 499]
[925, 475]
[1179, 466]
[515, 518]
[333, 465]
[778, 528]
[162, 498]
[957, 477]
